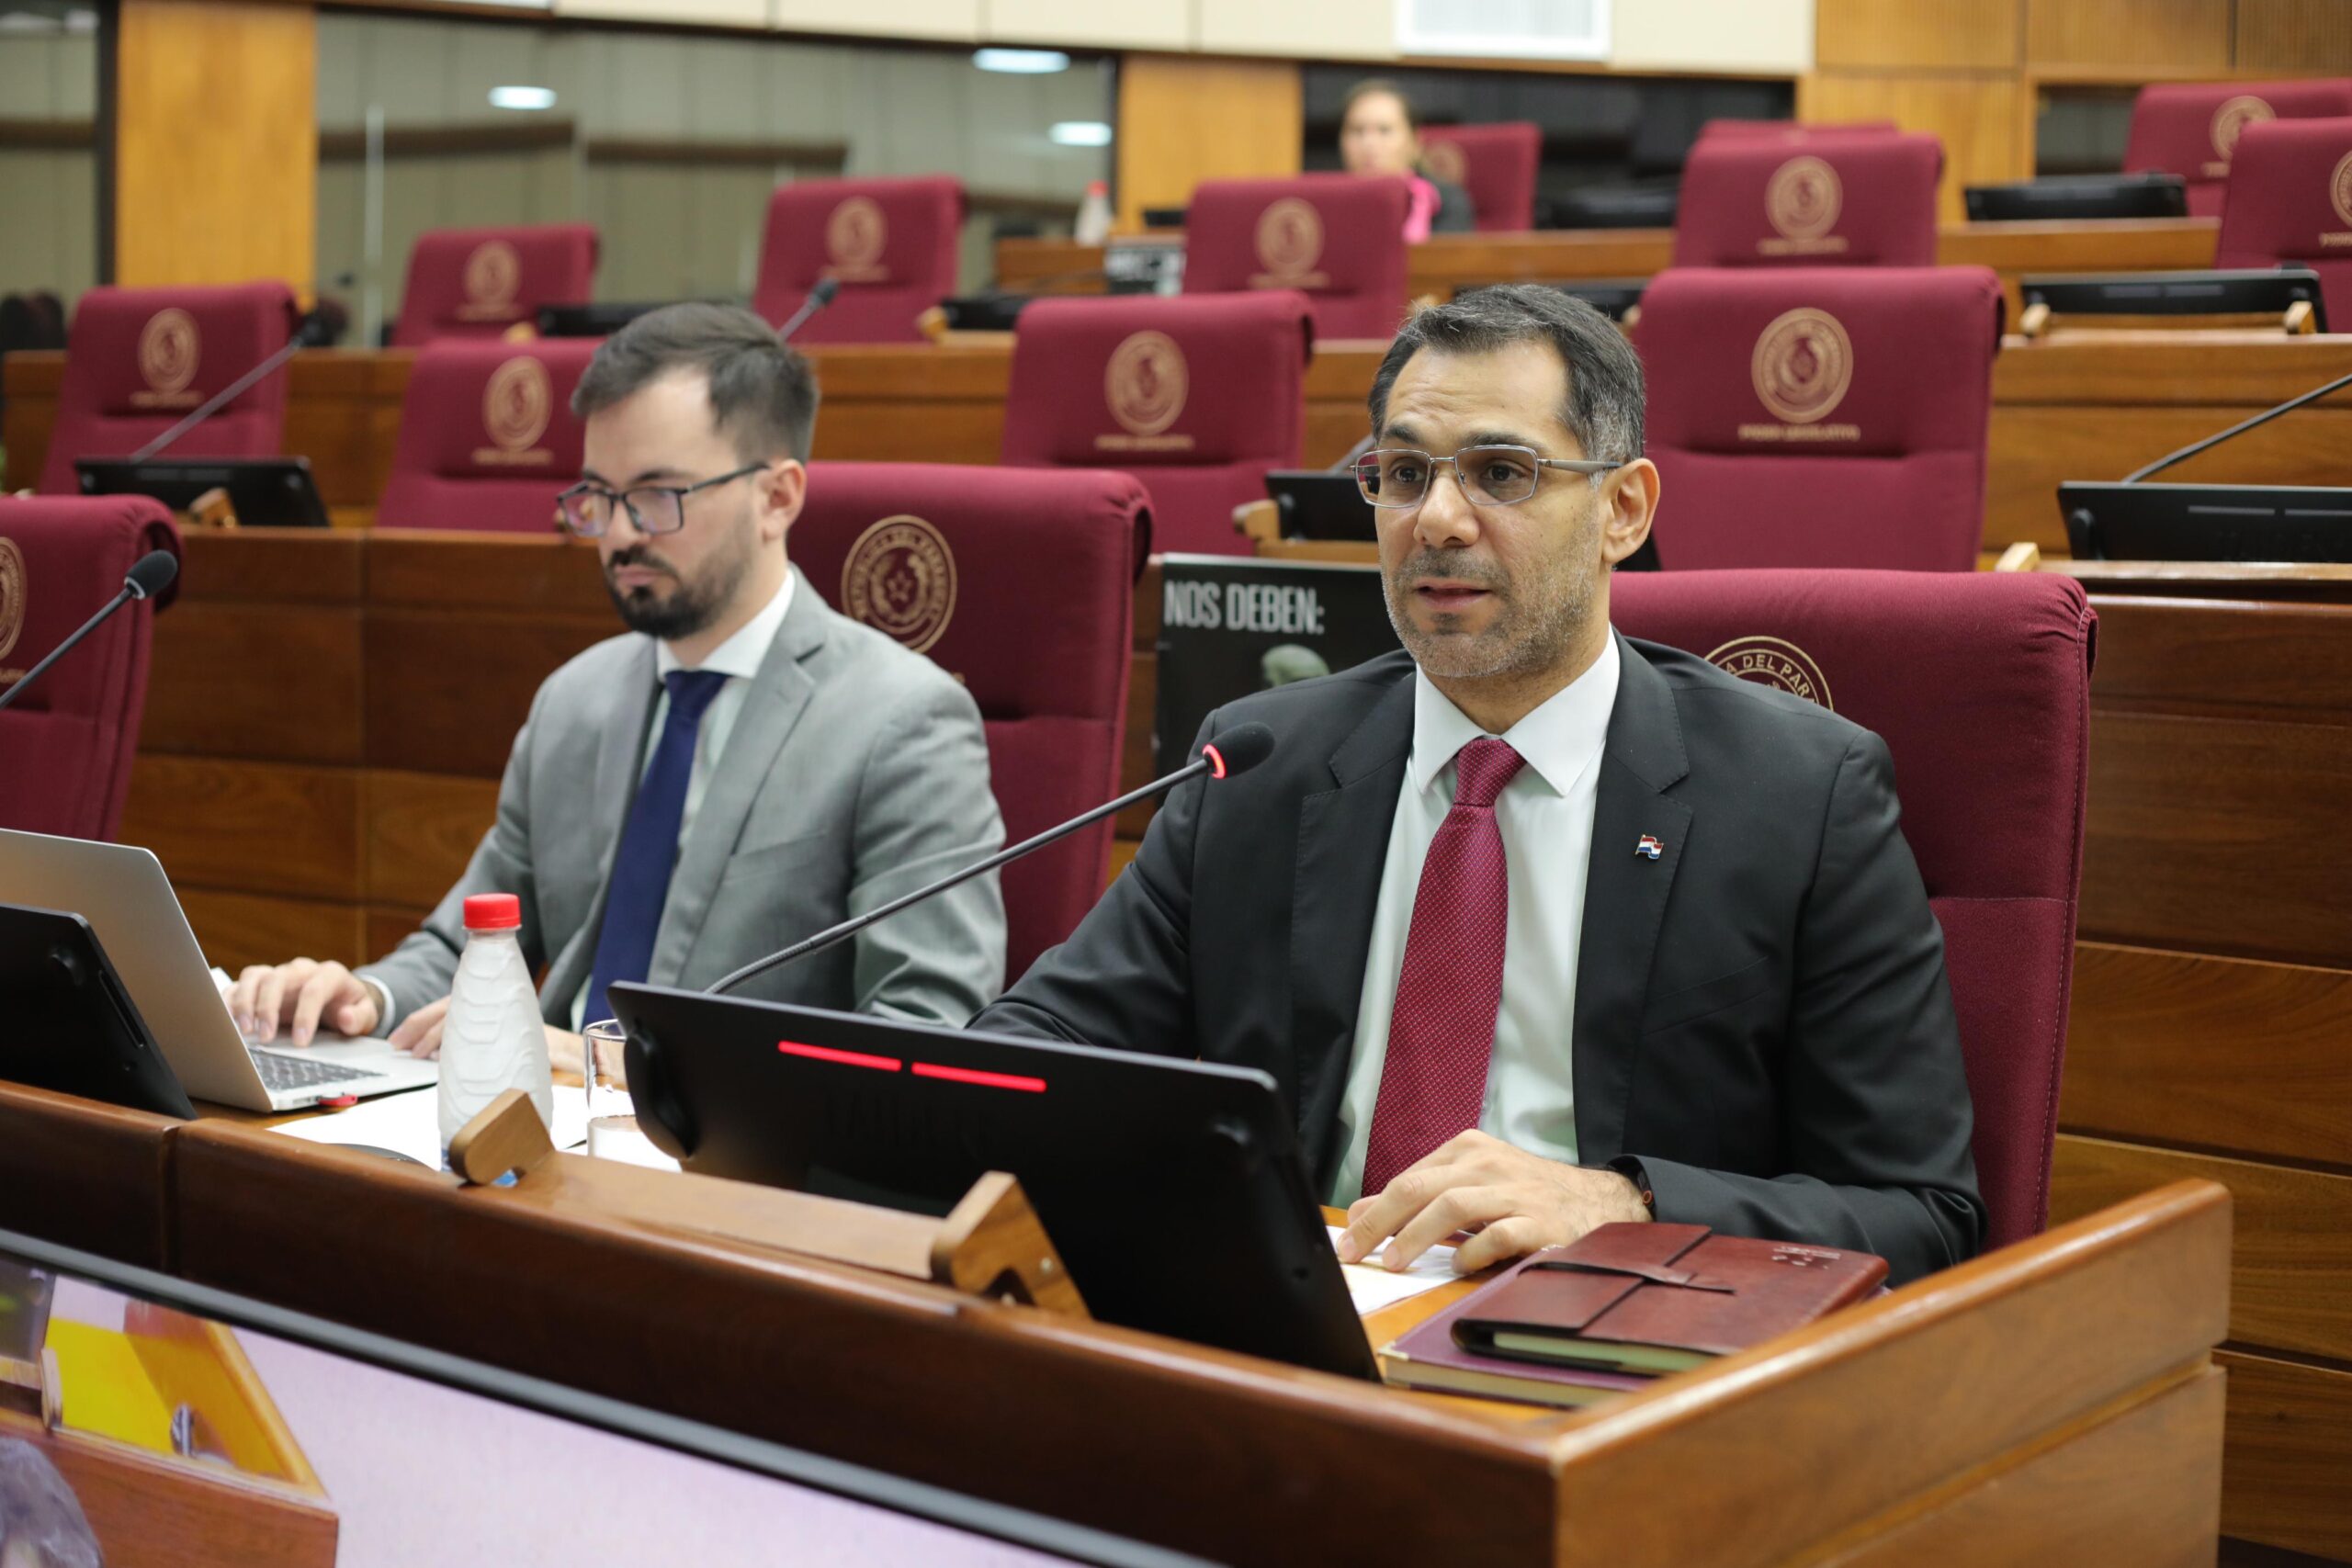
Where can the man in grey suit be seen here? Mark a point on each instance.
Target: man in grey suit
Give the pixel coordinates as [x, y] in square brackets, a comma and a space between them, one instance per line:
[743, 769]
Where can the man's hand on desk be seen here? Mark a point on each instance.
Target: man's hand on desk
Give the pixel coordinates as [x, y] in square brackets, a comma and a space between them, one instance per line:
[301, 995]
[1516, 1203]
[563, 1055]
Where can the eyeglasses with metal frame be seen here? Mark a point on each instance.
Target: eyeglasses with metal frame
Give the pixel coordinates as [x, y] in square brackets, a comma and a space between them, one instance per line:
[1489, 476]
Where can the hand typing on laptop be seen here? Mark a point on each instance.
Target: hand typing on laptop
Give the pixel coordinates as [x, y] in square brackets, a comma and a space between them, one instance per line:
[301, 995]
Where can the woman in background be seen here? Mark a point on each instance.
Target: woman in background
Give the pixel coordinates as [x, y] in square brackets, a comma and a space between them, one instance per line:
[1379, 134]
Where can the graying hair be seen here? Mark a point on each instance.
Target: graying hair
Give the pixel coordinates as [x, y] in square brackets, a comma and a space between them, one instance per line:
[1604, 407]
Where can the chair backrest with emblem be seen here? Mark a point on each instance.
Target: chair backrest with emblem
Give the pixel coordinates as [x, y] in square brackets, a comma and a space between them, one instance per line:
[487, 437]
[892, 246]
[1496, 165]
[1020, 584]
[1197, 397]
[1980, 686]
[479, 283]
[2289, 204]
[2191, 129]
[140, 360]
[1334, 238]
[68, 742]
[1824, 416]
[1830, 199]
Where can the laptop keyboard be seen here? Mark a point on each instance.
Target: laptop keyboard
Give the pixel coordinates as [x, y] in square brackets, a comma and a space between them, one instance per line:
[284, 1074]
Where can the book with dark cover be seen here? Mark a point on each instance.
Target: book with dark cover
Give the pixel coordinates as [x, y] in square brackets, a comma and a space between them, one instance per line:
[1427, 1358]
[1658, 1298]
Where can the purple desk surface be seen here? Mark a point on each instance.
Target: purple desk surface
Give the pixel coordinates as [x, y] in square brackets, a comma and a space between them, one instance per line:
[419, 1473]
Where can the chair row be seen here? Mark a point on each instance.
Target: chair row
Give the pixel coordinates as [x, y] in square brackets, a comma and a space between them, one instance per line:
[1800, 417]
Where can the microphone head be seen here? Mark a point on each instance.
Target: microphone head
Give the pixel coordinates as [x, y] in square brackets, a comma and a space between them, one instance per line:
[825, 290]
[1238, 750]
[151, 573]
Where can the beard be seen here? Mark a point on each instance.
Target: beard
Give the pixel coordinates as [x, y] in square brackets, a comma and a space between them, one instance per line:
[693, 604]
[1537, 618]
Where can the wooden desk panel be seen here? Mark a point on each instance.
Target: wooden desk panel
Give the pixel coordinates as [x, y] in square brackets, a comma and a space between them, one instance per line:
[2287, 1455]
[84, 1175]
[1446, 263]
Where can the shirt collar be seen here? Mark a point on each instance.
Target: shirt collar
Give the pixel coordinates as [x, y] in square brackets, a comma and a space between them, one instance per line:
[1558, 739]
[740, 655]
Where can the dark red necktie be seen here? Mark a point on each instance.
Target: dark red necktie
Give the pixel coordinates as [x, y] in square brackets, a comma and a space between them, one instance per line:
[1442, 1034]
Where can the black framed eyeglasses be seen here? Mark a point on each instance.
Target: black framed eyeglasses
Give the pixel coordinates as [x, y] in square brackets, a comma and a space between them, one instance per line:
[586, 509]
[1489, 476]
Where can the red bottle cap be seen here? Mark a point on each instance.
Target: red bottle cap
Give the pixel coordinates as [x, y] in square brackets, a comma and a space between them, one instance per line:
[493, 912]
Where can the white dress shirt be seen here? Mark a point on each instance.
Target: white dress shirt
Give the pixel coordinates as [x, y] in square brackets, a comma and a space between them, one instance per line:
[1546, 817]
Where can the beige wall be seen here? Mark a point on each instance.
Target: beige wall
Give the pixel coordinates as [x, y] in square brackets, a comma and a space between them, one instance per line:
[48, 197]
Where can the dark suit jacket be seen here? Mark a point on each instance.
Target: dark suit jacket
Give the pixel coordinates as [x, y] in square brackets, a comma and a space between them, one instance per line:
[1761, 1013]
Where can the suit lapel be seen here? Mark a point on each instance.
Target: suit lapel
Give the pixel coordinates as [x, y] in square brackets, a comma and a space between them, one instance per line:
[1625, 897]
[620, 754]
[1342, 842]
[778, 695]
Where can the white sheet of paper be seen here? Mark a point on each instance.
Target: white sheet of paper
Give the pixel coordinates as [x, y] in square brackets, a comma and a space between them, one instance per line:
[1371, 1286]
[410, 1123]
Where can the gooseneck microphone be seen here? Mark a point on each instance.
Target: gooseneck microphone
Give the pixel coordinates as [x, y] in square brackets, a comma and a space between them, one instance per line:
[819, 298]
[312, 331]
[2265, 417]
[1237, 750]
[150, 575]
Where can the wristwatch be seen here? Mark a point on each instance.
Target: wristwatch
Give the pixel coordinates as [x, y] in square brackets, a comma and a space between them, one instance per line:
[1631, 1169]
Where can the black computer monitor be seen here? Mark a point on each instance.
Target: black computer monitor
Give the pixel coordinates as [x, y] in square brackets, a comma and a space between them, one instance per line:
[417, 1456]
[984, 313]
[268, 492]
[1650, 203]
[67, 1021]
[599, 320]
[2080, 197]
[2207, 522]
[1172, 1188]
[2255, 291]
[1316, 504]
[1612, 297]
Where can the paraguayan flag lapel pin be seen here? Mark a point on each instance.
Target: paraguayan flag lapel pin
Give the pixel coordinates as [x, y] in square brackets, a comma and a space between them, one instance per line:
[1649, 848]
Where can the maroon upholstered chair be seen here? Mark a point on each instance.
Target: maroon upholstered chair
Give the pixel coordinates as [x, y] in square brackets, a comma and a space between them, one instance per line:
[1496, 163]
[1820, 416]
[1335, 238]
[2289, 204]
[891, 244]
[2190, 129]
[140, 360]
[1848, 198]
[1197, 397]
[1787, 127]
[68, 742]
[1980, 686]
[478, 283]
[487, 437]
[1020, 583]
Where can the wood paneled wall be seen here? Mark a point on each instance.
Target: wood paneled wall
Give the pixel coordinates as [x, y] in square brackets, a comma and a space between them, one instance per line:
[1183, 120]
[217, 144]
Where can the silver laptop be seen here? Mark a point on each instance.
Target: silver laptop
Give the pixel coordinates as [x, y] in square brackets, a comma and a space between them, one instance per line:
[121, 890]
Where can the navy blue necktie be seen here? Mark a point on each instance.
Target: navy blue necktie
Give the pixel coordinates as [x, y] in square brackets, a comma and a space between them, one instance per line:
[649, 851]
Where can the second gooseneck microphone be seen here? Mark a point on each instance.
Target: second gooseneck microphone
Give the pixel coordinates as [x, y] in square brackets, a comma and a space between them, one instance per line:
[1237, 750]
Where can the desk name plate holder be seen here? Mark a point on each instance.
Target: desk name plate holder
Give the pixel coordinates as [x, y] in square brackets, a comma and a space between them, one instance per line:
[990, 1245]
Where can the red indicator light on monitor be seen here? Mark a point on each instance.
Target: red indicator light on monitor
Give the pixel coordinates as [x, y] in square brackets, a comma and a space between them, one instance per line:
[973, 1076]
[845, 1058]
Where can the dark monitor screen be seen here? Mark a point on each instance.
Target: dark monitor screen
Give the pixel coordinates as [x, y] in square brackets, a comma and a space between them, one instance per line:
[2079, 197]
[267, 1436]
[268, 492]
[2258, 291]
[2207, 522]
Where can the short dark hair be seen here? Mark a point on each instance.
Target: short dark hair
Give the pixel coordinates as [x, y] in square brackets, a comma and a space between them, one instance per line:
[762, 395]
[1380, 85]
[1604, 411]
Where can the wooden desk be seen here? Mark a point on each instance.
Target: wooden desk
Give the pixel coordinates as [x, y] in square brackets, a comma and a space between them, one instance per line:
[2214, 979]
[2053, 1401]
[2080, 405]
[1443, 265]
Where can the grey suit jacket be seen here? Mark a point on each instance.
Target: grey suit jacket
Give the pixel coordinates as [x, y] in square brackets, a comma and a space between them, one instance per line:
[857, 771]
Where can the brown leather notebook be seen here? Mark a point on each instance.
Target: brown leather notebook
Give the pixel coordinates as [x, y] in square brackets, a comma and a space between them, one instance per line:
[1652, 1299]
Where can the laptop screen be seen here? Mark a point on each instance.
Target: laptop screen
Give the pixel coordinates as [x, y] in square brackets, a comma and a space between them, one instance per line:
[253, 1435]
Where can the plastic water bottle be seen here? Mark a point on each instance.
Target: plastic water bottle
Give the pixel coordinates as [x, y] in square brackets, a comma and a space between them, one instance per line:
[1093, 225]
[493, 1039]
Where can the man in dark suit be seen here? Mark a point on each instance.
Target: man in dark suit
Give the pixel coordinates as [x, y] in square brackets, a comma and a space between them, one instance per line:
[1535, 926]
